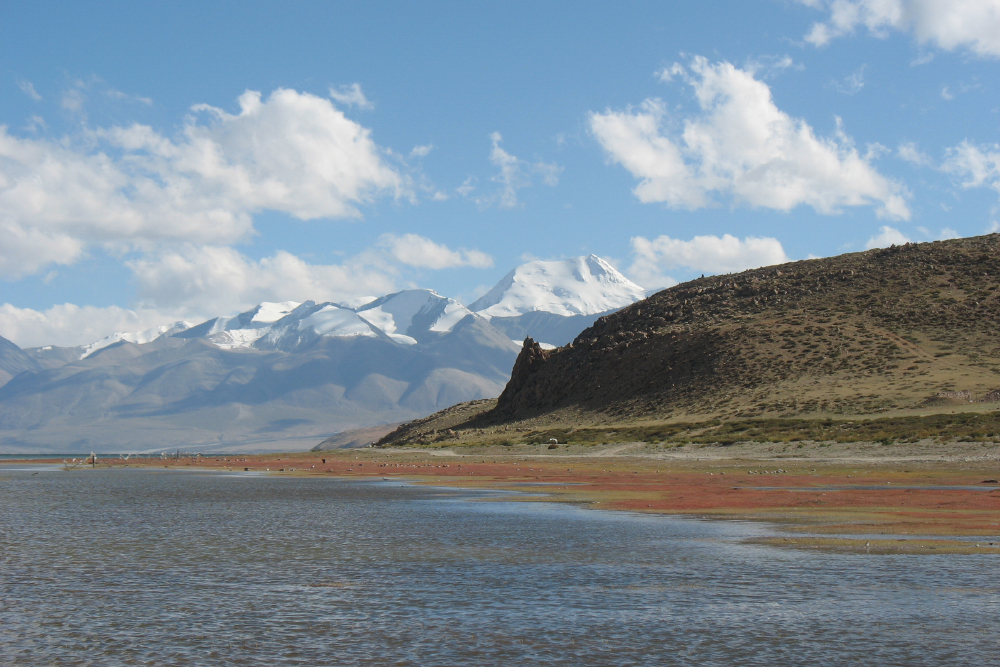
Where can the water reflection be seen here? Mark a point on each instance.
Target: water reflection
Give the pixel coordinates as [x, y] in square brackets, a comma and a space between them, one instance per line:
[132, 567]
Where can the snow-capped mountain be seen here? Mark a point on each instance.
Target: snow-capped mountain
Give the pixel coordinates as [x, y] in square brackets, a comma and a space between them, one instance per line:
[408, 316]
[138, 337]
[577, 286]
[244, 329]
[287, 375]
[553, 301]
[310, 322]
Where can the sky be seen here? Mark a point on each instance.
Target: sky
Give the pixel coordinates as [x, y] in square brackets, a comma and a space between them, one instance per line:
[184, 160]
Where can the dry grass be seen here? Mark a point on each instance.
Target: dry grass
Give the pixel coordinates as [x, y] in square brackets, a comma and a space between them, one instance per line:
[894, 345]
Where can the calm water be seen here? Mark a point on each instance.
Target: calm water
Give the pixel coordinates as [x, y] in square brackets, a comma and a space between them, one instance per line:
[135, 567]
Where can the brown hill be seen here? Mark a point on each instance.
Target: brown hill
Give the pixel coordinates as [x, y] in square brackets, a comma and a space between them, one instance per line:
[903, 331]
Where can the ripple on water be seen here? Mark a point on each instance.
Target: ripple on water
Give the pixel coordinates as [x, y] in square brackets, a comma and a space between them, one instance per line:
[132, 567]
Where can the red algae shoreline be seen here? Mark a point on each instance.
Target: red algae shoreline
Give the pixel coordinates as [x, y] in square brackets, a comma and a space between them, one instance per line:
[924, 506]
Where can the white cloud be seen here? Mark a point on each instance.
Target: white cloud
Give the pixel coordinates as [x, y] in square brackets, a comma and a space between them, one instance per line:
[948, 233]
[743, 146]
[35, 123]
[467, 187]
[549, 173]
[852, 83]
[119, 95]
[73, 98]
[133, 188]
[947, 94]
[514, 174]
[670, 72]
[762, 67]
[295, 153]
[994, 227]
[910, 153]
[511, 176]
[27, 251]
[414, 250]
[196, 282]
[977, 166]
[653, 259]
[201, 281]
[887, 236]
[68, 325]
[28, 89]
[946, 24]
[351, 96]
[421, 151]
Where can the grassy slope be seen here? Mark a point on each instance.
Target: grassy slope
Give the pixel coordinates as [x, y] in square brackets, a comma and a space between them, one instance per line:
[877, 345]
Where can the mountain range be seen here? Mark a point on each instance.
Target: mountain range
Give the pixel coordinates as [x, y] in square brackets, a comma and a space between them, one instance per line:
[282, 376]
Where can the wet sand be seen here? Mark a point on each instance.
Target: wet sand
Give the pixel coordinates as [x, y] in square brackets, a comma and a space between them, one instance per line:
[889, 505]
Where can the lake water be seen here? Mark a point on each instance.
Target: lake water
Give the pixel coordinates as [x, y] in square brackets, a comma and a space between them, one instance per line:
[140, 567]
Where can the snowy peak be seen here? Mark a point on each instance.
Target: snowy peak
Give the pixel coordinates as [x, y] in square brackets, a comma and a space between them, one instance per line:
[581, 286]
[269, 312]
[245, 329]
[138, 337]
[310, 321]
[258, 317]
[405, 316]
[577, 286]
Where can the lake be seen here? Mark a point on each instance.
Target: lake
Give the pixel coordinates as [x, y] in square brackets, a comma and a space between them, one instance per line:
[146, 567]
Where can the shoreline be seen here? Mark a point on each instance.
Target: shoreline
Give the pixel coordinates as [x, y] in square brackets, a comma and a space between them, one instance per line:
[856, 504]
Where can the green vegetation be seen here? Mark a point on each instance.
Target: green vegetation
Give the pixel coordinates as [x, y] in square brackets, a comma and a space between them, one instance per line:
[968, 426]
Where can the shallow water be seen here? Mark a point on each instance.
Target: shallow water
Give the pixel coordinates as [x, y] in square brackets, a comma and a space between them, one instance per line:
[139, 567]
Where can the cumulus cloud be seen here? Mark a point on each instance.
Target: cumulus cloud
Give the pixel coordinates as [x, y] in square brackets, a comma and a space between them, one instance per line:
[653, 259]
[205, 281]
[195, 282]
[68, 325]
[886, 237]
[741, 146]
[351, 96]
[945, 24]
[200, 281]
[414, 250]
[134, 188]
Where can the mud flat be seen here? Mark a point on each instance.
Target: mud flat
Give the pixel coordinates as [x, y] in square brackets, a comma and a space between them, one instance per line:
[913, 498]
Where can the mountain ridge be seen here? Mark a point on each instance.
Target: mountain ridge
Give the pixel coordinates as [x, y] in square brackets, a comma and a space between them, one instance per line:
[278, 375]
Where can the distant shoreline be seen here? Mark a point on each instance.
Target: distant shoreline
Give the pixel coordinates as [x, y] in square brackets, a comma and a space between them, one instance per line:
[886, 504]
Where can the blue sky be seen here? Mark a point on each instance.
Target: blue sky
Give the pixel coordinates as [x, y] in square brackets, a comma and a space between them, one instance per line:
[184, 160]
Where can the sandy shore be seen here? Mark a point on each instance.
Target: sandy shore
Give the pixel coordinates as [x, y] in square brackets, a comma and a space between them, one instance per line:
[865, 500]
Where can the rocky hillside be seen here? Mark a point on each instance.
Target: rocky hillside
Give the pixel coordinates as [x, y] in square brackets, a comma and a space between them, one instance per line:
[14, 360]
[903, 330]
